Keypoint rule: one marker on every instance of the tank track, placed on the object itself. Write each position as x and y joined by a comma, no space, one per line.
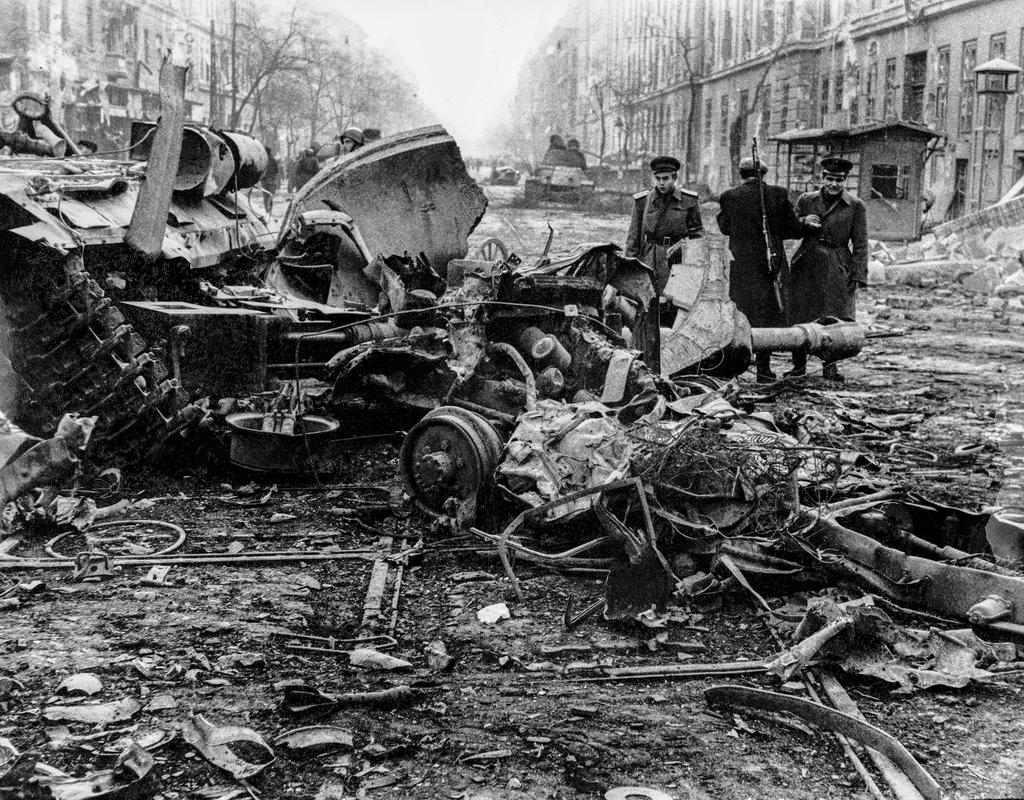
71,350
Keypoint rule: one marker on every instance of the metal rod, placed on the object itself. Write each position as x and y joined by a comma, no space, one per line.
278,558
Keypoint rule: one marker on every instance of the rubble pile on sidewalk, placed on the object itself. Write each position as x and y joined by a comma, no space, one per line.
982,259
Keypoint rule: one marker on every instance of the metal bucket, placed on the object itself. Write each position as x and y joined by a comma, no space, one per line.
263,451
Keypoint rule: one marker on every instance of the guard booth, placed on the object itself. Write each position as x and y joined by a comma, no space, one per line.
888,170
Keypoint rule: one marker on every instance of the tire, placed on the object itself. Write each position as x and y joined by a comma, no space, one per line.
72,351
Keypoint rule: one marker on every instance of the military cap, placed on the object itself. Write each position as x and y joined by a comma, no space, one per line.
747,165
664,164
836,165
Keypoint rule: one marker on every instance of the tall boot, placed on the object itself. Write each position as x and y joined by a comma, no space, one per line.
799,365
764,368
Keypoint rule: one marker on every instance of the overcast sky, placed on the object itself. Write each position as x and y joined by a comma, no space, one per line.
464,55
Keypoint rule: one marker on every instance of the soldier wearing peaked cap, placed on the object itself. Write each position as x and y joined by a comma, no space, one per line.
832,260
662,219
751,277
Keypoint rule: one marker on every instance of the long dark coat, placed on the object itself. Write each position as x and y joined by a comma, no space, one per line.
750,279
829,263
659,221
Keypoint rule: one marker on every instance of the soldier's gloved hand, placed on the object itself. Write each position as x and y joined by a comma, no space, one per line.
812,221
674,248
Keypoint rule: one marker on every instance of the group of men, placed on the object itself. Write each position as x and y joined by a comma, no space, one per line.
828,267
310,161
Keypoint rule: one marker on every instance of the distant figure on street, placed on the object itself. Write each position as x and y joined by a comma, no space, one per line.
575,155
271,180
832,260
752,280
662,220
307,167
557,155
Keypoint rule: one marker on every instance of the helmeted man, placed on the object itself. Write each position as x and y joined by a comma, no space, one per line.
832,260
753,281
662,220
351,139
575,155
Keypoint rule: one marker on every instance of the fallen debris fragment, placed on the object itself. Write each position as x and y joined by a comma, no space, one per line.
124,780
219,743
85,683
489,615
304,699
316,739
438,658
94,713
374,659
830,719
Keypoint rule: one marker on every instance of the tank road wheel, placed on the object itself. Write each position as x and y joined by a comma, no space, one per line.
448,455
71,350
492,249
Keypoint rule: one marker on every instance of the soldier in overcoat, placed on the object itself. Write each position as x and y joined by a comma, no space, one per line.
832,260
662,219
754,281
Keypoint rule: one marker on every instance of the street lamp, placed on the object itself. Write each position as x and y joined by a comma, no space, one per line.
996,80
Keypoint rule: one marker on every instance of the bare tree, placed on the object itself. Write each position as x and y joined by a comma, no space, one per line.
270,47
738,126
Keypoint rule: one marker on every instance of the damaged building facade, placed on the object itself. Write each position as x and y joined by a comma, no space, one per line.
633,78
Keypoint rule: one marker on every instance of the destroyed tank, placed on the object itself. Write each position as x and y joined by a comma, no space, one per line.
80,233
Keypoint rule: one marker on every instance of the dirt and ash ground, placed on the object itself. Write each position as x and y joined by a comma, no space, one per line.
500,725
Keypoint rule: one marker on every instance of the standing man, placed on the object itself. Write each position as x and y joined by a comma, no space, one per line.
753,281
832,260
307,167
271,180
662,220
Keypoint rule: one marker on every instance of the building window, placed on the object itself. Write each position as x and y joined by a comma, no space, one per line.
784,112
855,100
889,181
915,75
726,36
838,77
117,96
766,110
1020,86
90,25
709,110
941,86
44,16
968,61
710,57
808,21
870,90
723,134
766,30
889,109
826,95
997,45
745,31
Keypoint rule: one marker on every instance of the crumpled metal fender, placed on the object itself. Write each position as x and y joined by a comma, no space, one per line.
408,193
